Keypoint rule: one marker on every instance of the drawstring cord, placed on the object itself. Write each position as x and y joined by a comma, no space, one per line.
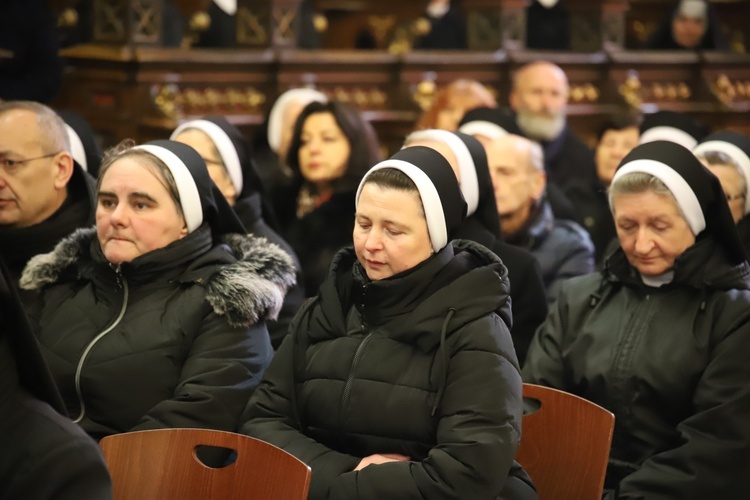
444,365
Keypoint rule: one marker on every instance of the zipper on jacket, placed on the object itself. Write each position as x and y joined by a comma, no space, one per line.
352,371
79,369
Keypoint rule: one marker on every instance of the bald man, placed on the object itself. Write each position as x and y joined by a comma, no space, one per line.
562,247
44,194
539,99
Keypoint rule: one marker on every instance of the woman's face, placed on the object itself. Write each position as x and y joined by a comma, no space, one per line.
216,169
688,31
135,213
651,230
734,187
324,149
612,148
390,231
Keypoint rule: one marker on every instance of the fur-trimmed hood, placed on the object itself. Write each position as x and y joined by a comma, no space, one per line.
249,289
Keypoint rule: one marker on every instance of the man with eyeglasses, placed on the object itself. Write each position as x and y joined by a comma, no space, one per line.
44,194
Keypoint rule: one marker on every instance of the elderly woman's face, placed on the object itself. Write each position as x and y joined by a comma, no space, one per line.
203,144
390,231
651,230
135,213
734,187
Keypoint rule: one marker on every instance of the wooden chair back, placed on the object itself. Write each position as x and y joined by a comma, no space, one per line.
163,464
565,444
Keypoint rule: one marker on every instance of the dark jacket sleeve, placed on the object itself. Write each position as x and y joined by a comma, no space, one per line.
271,416
544,361
220,373
529,306
713,458
478,432
574,255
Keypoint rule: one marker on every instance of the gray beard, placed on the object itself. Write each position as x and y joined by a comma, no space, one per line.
540,128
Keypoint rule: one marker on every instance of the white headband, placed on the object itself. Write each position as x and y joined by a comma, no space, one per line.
190,200
484,128
228,6
276,117
671,134
77,151
223,144
676,184
469,183
433,206
694,9
736,154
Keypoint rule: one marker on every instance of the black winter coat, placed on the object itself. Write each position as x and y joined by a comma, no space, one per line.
421,365
318,235
671,363
174,338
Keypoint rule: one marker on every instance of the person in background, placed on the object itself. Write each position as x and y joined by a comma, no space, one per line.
447,26
399,379
270,146
45,455
155,318
331,149
30,67
692,25
616,138
672,126
562,247
44,194
539,98
660,336
453,102
228,157
468,160
547,25
727,155
84,145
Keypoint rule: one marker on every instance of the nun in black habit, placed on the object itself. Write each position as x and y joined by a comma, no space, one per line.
399,379
84,145
156,317
691,25
660,336
228,156
482,225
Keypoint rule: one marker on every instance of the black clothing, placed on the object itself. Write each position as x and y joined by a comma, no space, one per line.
528,297
317,237
30,68
567,159
448,396
174,338
593,213
18,245
249,211
743,231
45,455
91,146
547,28
669,362
446,32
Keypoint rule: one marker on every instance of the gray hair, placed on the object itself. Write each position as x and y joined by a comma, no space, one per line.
53,135
640,182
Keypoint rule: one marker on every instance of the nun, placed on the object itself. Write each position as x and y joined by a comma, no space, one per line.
228,157
487,124
727,155
441,418
690,25
482,225
672,126
155,318
660,336
84,145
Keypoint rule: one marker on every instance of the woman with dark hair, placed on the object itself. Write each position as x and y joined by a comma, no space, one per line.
468,159
331,149
156,317
660,337
399,379
692,24
228,156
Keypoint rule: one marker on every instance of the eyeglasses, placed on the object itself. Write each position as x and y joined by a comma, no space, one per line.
732,197
10,166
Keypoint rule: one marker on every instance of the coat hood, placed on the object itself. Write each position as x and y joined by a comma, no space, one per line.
246,285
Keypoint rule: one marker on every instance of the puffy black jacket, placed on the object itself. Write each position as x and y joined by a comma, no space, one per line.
670,363
175,338
421,365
